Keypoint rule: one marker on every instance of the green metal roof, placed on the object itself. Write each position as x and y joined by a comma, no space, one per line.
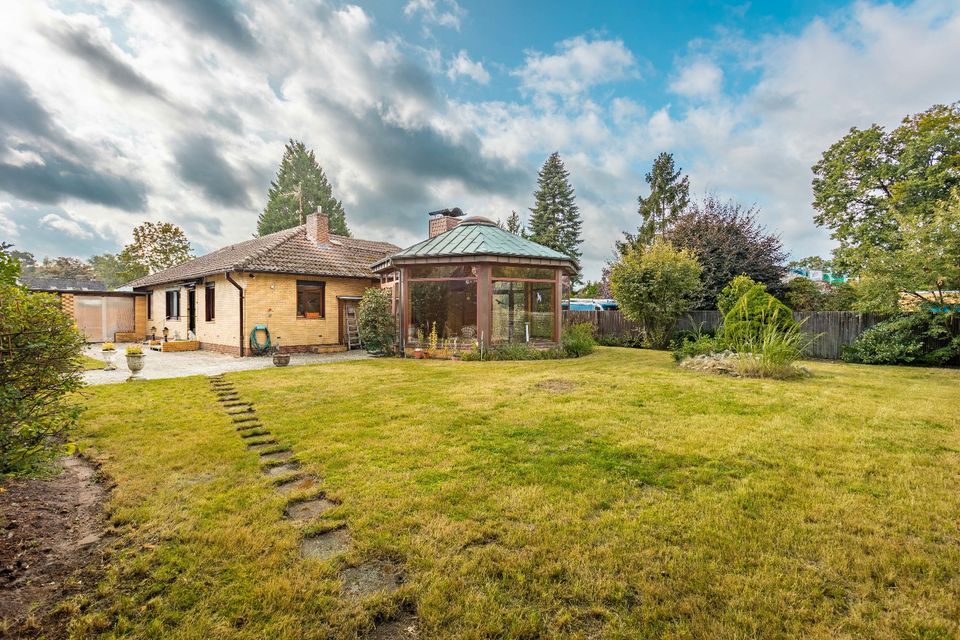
474,237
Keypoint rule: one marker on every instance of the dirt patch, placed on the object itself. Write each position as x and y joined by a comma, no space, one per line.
309,509
326,545
369,578
51,542
403,628
556,386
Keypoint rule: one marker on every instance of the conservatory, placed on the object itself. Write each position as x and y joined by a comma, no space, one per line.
472,282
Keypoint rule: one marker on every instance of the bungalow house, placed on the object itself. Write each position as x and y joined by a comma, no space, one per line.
471,280
301,284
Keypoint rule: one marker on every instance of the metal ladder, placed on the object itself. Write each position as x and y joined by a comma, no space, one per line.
353,331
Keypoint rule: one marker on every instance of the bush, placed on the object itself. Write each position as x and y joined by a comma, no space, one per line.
700,344
733,292
40,364
633,341
773,353
577,340
514,352
377,326
903,340
746,322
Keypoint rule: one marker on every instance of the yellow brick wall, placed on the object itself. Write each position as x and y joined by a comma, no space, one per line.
140,316
270,299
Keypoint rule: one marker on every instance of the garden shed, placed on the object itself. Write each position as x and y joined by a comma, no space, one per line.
471,280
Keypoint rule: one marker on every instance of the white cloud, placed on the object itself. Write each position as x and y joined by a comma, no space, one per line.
442,13
698,79
66,225
462,65
577,65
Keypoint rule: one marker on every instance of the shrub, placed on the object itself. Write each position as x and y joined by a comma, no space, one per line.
903,340
747,320
377,326
108,346
696,345
577,340
135,350
654,286
633,340
731,293
773,352
40,364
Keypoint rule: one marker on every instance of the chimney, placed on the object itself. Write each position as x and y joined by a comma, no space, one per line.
318,227
443,220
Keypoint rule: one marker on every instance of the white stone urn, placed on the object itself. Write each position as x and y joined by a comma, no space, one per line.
107,356
135,364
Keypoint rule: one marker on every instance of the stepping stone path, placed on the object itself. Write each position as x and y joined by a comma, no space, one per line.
278,462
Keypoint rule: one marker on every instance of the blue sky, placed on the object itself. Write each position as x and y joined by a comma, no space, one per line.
113,112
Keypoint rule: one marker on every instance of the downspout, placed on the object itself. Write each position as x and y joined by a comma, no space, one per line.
240,289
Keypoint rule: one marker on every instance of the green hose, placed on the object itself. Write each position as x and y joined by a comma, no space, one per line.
255,344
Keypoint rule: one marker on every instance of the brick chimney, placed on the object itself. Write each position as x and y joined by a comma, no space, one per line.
442,221
318,227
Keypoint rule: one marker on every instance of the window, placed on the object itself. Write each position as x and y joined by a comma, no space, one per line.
522,311
210,301
444,271
310,299
149,306
173,304
526,273
450,306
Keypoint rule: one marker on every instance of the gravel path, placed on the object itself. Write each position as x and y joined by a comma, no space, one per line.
193,363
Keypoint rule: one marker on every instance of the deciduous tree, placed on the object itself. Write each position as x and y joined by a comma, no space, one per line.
156,246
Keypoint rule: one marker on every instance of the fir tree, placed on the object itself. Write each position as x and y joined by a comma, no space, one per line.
298,190
514,225
555,218
669,197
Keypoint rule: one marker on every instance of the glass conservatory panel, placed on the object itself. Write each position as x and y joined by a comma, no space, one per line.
451,305
444,271
522,311
532,273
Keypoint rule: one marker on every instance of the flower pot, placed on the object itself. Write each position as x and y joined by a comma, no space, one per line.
135,364
312,314
418,354
281,359
107,356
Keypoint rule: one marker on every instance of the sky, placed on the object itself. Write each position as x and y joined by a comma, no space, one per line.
113,112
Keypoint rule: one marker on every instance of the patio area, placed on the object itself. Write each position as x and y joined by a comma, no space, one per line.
159,365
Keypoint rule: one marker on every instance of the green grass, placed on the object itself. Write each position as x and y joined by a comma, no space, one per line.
88,363
645,501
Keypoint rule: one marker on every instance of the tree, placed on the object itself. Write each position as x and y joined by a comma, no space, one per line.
40,368
299,189
815,263
922,270
111,271
669,197
869,177
62,267
728,241
589,290
555,218
9,265
514,225
377,325
654,286
156,246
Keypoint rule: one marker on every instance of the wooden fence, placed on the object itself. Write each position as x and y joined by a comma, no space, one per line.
834,329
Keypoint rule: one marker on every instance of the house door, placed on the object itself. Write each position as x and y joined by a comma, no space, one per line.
192,310
349,332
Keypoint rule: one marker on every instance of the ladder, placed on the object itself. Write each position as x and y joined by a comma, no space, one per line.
353,329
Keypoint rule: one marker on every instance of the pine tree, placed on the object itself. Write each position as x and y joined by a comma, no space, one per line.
669,196
299,189
514,225
555,218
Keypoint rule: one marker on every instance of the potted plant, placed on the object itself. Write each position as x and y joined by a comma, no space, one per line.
135,362
107,351
279,359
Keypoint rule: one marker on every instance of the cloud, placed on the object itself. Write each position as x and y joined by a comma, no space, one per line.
698,79
462,65
66,224
20,111
55,179
577,65
198,162
442,13
217,18
105,58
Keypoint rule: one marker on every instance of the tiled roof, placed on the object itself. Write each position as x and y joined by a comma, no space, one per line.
474,237
287,251
42,283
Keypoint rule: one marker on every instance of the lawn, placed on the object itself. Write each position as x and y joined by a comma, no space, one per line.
612,496
89,363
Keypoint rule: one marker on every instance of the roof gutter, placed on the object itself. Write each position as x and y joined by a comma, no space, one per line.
240,289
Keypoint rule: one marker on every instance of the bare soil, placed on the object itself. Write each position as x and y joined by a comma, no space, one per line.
51,546
369,578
